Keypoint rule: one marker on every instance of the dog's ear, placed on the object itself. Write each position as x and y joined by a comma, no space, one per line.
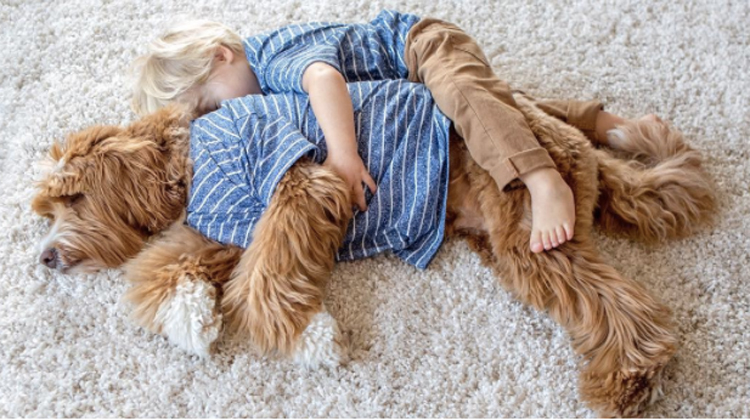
160,165
70,163
164,126
62,181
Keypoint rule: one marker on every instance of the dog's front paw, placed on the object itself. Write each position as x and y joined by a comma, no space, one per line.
190,317
321,344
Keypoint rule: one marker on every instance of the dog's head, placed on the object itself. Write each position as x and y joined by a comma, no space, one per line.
108,188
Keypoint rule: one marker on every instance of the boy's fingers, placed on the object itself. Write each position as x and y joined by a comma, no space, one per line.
370,183
359,195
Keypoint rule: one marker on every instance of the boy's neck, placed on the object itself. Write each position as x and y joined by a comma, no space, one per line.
255,85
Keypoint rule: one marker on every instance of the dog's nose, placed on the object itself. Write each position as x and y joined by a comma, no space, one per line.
49,258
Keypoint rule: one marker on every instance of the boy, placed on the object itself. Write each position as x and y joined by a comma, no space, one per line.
205,63
241,151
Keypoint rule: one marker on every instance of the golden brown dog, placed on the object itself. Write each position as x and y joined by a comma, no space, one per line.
113,192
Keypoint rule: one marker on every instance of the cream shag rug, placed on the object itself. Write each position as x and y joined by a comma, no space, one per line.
444,342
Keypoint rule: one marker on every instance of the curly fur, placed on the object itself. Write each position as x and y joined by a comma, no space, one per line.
116,186
660,192
178,253
278,284
134,182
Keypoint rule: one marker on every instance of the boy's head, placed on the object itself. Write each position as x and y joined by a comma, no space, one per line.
199,62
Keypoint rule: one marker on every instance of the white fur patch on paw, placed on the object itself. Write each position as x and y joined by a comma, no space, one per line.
321,344
616,138
189,318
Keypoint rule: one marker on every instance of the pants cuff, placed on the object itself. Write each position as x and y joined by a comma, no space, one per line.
583,114
520,164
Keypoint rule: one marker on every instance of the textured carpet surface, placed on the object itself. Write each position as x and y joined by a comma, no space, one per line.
444,342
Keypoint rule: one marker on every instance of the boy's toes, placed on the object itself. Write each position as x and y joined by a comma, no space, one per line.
536,242
561,236
553,239
568,231
546,241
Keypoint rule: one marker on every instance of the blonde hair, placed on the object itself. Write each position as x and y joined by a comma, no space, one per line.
178,60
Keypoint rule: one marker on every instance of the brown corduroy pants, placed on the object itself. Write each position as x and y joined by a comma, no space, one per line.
480,105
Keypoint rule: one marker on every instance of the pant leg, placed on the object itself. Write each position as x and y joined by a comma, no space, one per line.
580,114
481,106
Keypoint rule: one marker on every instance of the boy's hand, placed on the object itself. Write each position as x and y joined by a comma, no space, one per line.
351,168
332,106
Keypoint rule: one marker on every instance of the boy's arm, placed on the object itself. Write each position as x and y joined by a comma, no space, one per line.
332,106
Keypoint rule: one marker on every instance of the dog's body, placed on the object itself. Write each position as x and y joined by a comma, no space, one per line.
134,182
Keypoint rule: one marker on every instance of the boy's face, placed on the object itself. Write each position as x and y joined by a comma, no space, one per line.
230,78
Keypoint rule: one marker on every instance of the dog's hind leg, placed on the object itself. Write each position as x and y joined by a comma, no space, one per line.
623,334
660,192
275,295
176,287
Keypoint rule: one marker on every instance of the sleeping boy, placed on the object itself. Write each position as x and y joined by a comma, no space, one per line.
204,63
242,150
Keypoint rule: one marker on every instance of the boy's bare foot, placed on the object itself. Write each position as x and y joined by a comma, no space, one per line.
552,209
606,122
651,117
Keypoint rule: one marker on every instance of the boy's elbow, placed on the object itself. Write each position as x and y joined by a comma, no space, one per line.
317,73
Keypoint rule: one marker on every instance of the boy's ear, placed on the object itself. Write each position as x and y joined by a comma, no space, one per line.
224,54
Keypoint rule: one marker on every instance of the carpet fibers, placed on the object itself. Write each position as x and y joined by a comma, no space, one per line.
448,341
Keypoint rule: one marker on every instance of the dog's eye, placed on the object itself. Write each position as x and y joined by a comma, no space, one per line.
72,200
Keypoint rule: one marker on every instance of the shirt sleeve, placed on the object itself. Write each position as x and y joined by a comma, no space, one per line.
284,72
275,147
217,146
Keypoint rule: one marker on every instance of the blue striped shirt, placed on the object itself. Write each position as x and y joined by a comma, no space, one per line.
361,52
241,151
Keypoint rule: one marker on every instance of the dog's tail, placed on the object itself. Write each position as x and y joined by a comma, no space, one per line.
660,191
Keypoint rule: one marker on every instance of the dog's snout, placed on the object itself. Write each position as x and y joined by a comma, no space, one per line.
49,258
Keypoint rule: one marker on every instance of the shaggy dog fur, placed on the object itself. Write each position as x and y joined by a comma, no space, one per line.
113,192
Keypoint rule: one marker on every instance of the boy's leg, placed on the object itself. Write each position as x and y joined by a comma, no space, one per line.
481,106
580,114
591,119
